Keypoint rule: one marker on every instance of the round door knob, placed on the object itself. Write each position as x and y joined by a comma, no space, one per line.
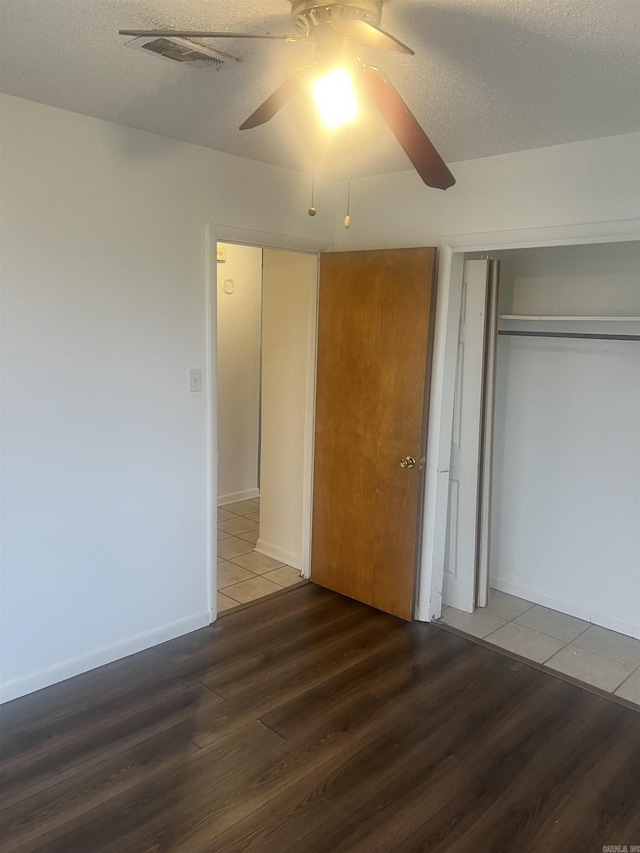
407,462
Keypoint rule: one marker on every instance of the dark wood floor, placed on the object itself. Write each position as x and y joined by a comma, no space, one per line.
310,723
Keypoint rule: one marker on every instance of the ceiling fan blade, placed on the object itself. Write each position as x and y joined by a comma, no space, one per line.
370,36
417,145
203,35
280,97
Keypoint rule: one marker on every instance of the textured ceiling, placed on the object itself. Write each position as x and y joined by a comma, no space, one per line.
488,77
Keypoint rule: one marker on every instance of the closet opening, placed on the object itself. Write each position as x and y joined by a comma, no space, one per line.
543,544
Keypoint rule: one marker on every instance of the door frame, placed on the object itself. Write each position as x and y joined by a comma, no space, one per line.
217,232
451,254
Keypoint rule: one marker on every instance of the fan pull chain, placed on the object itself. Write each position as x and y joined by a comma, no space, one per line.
312,210
347,219
314,143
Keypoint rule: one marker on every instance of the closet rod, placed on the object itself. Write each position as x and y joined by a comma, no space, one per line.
580,335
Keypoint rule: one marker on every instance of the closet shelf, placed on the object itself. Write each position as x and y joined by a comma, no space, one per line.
564,318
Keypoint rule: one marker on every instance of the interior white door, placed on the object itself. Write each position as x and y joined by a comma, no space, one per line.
466,443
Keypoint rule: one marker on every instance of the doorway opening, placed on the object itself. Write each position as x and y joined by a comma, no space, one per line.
265,357
562,580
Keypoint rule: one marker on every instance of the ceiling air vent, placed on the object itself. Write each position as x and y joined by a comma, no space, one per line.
181,50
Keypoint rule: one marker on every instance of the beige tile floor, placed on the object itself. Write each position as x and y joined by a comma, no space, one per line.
243,573
595,655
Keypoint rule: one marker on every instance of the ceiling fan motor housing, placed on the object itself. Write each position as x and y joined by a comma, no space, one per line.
307,14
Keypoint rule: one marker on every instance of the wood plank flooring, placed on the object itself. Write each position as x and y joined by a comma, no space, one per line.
311,723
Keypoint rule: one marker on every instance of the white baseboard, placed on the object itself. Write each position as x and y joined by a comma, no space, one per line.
280,554
67,669
554,602
235,497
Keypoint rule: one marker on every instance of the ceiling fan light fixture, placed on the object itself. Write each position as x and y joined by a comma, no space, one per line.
335,98
308,14
338,28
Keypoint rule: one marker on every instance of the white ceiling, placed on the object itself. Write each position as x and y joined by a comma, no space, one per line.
488,77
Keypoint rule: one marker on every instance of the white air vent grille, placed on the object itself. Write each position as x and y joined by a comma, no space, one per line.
181,50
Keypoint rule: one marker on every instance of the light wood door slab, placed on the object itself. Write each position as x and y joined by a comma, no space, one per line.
375,326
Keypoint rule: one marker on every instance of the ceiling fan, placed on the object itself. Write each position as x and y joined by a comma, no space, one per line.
339,77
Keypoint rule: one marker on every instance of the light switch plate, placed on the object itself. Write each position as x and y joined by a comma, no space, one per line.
195,379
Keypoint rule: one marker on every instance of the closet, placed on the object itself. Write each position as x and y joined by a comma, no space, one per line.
565,514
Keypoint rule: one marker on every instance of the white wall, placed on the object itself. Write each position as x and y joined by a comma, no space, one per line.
288,353
566,501
593,181
104,502
104,450
600,280
239,321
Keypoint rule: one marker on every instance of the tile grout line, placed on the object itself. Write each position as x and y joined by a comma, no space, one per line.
544,664
624,680
535,630
226,590
570,642
566,644
601,654
598,655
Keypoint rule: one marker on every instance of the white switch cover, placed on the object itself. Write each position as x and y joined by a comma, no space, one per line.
195,379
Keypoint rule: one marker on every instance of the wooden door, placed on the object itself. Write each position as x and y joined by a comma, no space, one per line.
375,330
